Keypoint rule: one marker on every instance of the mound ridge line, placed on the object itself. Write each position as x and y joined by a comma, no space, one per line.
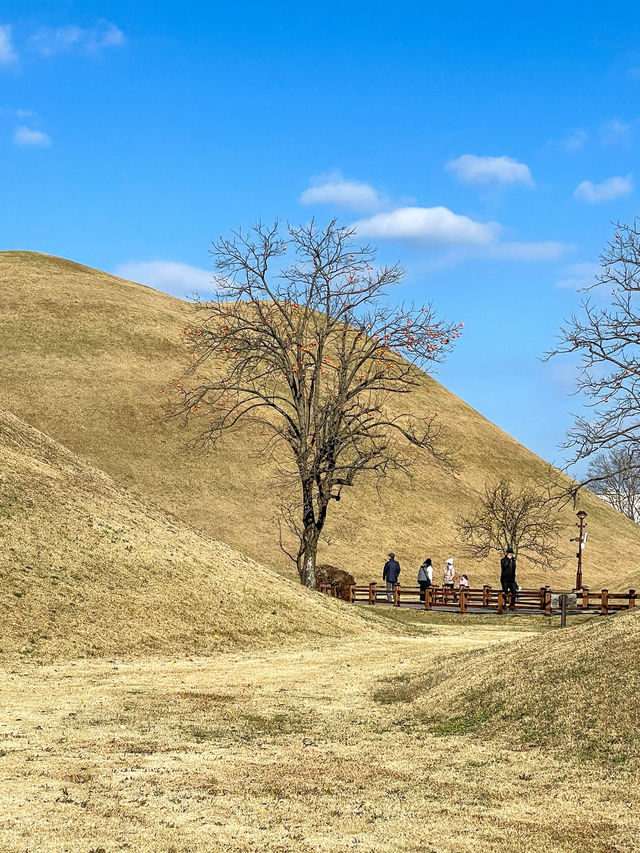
84,355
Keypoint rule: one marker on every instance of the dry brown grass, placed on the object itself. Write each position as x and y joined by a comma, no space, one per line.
288,751
87,568
574,691
84,355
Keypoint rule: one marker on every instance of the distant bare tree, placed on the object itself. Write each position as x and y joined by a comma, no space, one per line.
311,354
524,518
607,339
615,476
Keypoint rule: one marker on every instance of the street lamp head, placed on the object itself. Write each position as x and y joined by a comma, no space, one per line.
581,514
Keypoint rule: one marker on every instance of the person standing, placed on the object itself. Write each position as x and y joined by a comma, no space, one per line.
425,576
448,581
449,574
464,582
390,574
508,577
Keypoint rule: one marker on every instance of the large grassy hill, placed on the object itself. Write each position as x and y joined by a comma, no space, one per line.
84,355
87,568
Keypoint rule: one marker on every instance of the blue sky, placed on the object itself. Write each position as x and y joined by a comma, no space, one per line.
487,148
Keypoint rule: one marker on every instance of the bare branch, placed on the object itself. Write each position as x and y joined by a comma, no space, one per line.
303,346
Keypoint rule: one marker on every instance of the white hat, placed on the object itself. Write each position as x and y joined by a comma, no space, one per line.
449,561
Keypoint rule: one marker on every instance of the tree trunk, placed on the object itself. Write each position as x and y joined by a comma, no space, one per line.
307,557
309,539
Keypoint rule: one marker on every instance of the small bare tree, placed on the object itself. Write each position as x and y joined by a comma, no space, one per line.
311,354
606,337
524,518
616,478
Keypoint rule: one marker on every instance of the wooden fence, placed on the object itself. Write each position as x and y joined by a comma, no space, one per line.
487,599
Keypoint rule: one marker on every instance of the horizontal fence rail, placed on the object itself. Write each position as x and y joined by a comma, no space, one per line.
487,599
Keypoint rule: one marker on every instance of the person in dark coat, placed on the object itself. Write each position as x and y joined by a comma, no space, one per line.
508,577
390,574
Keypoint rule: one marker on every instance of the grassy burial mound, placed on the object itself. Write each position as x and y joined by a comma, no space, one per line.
86,568
574,692
84,355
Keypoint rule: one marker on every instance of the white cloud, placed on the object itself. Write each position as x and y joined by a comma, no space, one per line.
431,226
575,140
471,169
615,131
342,192
169,276
577,276
50,41
34,138
617,187
7,53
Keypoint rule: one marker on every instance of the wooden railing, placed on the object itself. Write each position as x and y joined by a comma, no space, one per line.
487,598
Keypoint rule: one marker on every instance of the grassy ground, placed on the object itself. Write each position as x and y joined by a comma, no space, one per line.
84,356
305,750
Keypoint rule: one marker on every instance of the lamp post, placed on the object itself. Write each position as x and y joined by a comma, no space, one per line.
582,538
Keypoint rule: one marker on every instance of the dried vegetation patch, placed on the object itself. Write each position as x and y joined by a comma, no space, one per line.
575,691
287,751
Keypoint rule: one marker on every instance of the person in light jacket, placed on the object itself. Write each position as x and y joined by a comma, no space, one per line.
390,574
425,577
449,573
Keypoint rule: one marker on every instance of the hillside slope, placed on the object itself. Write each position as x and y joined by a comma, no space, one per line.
574,690
88,569
84,355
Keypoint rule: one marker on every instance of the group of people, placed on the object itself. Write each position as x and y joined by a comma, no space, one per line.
391,574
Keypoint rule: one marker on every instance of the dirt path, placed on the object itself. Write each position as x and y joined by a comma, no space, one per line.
279,751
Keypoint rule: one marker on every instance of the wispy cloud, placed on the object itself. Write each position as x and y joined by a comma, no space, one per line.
170,276
615,131
617,187
575,140
31,138
343,192
429,226
483,171
51,41
544,250
7,52
577,276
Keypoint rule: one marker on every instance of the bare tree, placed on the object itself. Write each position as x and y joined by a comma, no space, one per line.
606,337
310,353
616,478
524,518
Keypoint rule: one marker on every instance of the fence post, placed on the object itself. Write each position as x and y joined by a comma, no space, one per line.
427,598
604,602
547,601
501,602
563,610
632,598
372,593
585,597
486,595
396,596
543,597
463,601
352,593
